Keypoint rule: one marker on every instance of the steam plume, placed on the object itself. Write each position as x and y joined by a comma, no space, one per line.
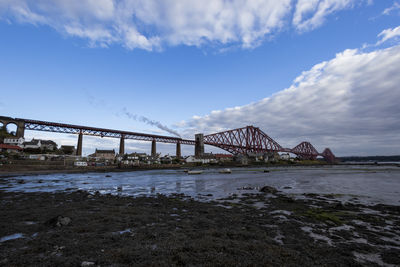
149,122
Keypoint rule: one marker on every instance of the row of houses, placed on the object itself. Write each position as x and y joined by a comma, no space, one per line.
33,144
142,158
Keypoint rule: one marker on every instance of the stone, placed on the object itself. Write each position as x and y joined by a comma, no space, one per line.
63,221
59,221
87,263
268,189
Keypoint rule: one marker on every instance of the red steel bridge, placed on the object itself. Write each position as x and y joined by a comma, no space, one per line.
248,140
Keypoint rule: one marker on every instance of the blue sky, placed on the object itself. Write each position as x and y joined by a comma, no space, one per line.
188,66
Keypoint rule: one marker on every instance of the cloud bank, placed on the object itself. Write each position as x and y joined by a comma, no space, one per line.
349,103
152,24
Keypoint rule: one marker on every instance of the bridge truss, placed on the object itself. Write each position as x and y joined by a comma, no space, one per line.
251,140
247,140
77,129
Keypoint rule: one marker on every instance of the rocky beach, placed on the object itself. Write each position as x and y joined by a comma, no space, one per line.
265,228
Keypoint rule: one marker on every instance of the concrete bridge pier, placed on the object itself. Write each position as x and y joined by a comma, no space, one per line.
199,146
79,146
153,148
20,129
122,145
178,150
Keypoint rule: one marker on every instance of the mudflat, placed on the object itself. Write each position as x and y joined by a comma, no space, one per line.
266,228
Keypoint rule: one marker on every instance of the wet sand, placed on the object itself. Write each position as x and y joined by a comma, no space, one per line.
253,229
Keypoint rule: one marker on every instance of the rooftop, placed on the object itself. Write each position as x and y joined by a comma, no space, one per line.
4,146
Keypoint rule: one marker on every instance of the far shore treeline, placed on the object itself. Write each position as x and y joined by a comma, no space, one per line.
370,158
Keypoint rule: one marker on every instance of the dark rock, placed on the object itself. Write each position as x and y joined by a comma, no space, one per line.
287,187
266,170
58,221
268,189
21,181
108,175
391,256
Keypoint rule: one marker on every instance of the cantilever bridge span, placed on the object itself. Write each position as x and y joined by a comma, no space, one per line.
251,140
247,140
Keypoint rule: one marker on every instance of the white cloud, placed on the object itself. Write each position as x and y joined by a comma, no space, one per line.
311,14
349,103
152,24
389,34
389,10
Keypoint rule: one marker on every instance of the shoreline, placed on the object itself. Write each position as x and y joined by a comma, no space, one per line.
255,229
22,170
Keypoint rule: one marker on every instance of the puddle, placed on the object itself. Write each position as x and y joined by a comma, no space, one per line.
315,236
123,231
284,212
11,237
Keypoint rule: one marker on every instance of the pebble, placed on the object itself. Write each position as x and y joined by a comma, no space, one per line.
87,263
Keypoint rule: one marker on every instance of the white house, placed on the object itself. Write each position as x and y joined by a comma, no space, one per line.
285,156
40,144
34,144
80,163
14,141
48,144
193,159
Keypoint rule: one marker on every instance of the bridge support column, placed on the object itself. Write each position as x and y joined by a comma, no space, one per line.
199,146
20,129
153,148
79,146
122,145
178,150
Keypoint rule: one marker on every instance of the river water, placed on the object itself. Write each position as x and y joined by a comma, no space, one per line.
362,184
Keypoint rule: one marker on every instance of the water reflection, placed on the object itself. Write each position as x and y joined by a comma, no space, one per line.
376,184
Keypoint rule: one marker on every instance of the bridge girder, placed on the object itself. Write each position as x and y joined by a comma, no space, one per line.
246,140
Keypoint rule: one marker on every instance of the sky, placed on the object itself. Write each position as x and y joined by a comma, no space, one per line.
323,71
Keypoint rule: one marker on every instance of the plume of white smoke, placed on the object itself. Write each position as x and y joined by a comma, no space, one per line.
149,122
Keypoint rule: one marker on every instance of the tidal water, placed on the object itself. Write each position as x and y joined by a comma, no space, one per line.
364,184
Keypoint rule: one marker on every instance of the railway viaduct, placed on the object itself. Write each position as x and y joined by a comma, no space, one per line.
247,140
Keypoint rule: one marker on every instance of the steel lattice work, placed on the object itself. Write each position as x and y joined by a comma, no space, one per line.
305,150
244,140
247,140
328,155
251,140
76,129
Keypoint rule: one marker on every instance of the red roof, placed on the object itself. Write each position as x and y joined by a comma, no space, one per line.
223,155
4,146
